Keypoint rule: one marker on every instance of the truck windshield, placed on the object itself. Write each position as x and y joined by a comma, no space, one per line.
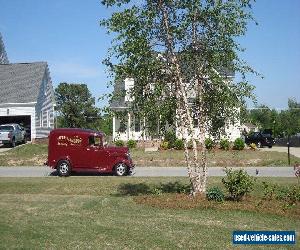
6,128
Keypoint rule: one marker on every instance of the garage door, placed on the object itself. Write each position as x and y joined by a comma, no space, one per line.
23,120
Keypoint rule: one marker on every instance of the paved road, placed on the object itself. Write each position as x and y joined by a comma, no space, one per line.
150,171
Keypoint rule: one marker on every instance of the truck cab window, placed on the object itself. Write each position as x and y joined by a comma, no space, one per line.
94,141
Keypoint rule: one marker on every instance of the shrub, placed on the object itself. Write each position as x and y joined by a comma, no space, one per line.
238,183
239,144
119,143
215,194
224,144
269,190
164,145
131,144
289,194
178,144
170,137
209,143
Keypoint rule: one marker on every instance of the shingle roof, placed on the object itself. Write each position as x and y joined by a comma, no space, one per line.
3,55
20,82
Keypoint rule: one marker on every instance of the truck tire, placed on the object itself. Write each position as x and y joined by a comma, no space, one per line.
63,168
121,169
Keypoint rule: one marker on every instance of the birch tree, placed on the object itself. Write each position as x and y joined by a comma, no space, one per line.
179,53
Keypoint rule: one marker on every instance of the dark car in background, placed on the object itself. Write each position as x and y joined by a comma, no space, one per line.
260,139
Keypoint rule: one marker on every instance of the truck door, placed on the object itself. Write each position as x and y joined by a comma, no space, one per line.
96,155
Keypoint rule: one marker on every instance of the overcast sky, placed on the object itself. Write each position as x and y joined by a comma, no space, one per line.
66,34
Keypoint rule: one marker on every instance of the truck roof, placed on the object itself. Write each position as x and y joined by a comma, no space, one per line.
77,130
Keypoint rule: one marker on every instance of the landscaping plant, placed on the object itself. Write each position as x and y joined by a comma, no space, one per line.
224,144
239,144
238,183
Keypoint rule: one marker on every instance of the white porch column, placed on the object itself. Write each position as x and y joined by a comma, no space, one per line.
129,126
114,127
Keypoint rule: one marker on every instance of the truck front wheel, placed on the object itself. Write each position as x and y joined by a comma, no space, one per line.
63,168
121,169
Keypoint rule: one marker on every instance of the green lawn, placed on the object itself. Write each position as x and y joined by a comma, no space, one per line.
92,213
36,155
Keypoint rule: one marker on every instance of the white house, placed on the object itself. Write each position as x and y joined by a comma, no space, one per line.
131,127
26,96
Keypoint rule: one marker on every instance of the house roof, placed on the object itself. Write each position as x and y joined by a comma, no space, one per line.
3,55
21,82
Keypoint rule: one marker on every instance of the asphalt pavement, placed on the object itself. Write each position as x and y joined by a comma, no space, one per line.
151,171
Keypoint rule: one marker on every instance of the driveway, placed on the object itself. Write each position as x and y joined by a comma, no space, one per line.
150,171
4,148
293,150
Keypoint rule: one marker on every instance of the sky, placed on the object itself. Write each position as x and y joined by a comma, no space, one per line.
67,35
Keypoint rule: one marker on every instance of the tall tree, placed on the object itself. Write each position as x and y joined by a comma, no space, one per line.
178,49
76,106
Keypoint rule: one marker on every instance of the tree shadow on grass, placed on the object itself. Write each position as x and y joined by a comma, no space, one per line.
135,189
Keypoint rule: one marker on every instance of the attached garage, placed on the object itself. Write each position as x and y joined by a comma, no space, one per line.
23,120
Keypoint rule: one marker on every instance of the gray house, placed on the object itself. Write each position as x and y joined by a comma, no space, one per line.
26,96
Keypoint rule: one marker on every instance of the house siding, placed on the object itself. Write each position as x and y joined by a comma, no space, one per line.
44,112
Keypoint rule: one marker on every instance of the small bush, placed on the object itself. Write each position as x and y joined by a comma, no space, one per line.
119,143
215,194
131,144
178,144
224,144
209,143
269,190
164,145
170,137
290,195
239,144
238,183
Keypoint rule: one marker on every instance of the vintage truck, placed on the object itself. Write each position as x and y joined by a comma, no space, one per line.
83,150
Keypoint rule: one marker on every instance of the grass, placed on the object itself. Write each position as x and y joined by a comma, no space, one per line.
36,155
92,212
220,158
25,155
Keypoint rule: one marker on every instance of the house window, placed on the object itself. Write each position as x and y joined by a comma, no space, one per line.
41,118
48,119
7,111
123,125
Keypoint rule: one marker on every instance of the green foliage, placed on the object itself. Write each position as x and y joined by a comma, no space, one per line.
289,194
282,123
239,144
119,143
170,137
178,144
155,189
157,43
269,190
164,145
209,143
215,194
238,183
131,144
76,106
224,144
